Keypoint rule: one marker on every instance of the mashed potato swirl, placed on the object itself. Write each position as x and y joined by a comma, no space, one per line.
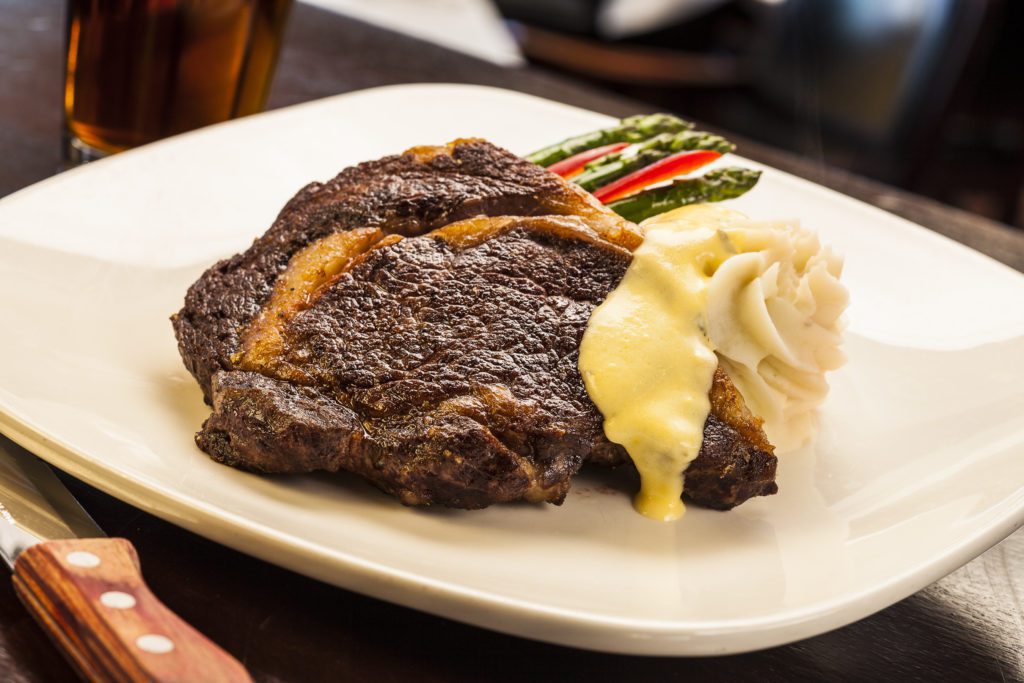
774,318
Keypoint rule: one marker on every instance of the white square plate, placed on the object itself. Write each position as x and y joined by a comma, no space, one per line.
919,465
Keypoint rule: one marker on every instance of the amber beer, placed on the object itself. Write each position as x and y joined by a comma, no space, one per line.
140,70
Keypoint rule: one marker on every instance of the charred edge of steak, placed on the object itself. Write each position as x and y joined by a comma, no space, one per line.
729,469
736,461
406,194
266,425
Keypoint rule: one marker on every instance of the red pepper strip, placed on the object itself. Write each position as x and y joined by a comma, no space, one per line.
567,168
667,168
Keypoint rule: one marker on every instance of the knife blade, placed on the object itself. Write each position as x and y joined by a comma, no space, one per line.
87,590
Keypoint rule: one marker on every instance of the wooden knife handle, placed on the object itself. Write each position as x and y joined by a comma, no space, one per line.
90,597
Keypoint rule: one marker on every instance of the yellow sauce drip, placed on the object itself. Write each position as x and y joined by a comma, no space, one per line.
645,357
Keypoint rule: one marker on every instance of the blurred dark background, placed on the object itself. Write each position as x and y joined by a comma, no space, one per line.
927,95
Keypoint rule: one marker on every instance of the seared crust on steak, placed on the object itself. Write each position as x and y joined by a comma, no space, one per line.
736,462
441,367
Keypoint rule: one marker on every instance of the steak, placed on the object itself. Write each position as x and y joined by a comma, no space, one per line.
371,330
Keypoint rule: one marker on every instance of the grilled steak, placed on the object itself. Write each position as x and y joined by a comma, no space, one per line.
440,367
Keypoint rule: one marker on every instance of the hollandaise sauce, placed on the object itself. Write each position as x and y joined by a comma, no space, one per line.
646,359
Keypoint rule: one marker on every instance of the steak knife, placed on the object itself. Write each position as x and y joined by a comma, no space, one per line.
87,591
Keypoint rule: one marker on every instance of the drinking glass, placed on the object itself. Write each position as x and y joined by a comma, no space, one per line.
140,70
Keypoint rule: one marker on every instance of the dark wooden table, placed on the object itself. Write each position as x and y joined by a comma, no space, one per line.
967,627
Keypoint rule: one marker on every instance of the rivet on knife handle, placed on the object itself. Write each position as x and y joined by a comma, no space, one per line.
90,597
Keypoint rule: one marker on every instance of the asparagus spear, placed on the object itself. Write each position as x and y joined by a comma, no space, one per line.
714,186
631,129
611,167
